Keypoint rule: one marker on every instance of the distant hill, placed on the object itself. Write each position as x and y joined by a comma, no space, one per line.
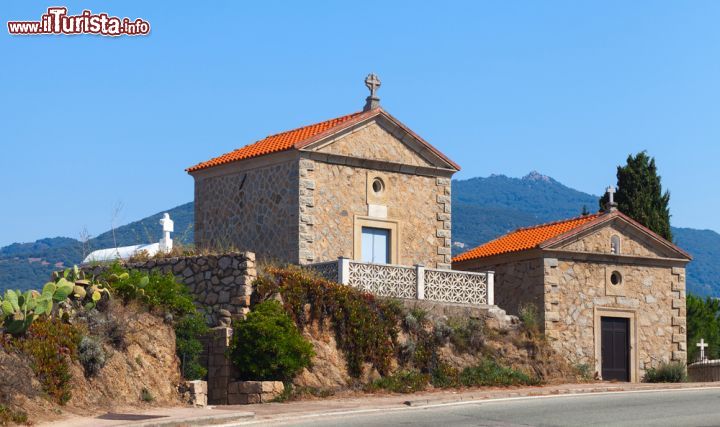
483,208
29,265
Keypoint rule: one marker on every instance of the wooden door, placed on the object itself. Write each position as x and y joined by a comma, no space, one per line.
615,343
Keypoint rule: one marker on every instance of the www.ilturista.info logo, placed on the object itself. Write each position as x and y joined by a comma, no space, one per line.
57,21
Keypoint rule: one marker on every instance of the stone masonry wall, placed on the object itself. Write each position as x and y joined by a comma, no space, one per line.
375,143
256,209
517,283
221,285
656,295
337,193
599,242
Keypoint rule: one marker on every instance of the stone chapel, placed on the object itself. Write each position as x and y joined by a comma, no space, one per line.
610,292
362,186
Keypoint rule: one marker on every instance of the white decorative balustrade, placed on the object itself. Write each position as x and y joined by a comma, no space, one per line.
415,282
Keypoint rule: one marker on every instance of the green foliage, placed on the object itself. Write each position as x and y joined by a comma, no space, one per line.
703,322
154,290
91,355
8,416
164,292
640,194
445,376
673,372
490,373
188,330
530,317
365,327
20,310
468,335
405,381
584,371
267,345
50,344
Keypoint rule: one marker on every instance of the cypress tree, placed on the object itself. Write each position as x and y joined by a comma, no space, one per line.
639,194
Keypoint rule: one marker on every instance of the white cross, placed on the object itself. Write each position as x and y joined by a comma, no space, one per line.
702,344
372,82
168,226
611,192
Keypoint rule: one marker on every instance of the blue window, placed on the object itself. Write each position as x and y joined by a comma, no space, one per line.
375,245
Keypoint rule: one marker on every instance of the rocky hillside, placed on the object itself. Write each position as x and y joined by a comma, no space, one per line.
483,208
140,368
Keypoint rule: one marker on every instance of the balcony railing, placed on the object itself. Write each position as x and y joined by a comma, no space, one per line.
415,282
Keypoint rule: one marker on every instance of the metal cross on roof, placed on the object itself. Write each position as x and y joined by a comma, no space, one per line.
372,81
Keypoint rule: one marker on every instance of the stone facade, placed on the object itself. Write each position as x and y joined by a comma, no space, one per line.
572,285
523,277
419,205
652,297
221,285
384,147
306,206
250,209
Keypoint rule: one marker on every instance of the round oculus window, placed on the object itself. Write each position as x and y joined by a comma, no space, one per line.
616,278
378,186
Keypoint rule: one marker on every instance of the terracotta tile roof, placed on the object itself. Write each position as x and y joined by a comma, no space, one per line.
525,238
275,143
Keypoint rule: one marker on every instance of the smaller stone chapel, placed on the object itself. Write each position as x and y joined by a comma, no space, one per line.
361,186
610,292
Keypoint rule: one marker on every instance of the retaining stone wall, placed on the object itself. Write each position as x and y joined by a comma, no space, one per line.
221,285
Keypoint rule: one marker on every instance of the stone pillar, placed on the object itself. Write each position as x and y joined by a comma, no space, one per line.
679,315
307,205
444,249
220,370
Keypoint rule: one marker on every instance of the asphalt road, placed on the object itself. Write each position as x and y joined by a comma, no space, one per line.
663,408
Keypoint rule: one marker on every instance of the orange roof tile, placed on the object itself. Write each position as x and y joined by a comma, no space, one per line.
525,238
275,143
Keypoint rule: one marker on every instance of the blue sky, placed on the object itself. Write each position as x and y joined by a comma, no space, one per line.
566,88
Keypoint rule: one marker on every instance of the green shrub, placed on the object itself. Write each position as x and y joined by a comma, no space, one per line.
468,335
365,327
115,332
188,330
673,372
91,355
164,292
490,373
267,345
406,381
154,290
445,376
49,343
584,371
8,416
529,317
